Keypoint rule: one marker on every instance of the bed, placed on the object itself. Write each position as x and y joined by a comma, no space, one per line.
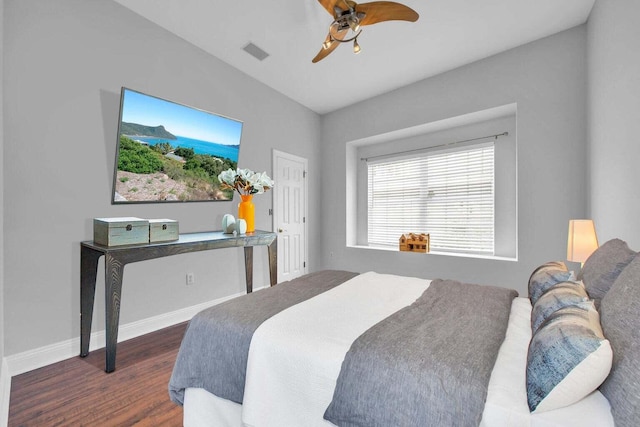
340,348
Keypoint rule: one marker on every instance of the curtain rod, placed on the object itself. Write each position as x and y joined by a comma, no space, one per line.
366,159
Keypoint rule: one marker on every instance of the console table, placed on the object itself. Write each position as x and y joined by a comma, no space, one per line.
116,257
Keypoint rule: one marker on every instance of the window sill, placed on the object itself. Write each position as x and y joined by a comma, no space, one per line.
451,254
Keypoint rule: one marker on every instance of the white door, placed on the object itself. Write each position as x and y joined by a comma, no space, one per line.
289,216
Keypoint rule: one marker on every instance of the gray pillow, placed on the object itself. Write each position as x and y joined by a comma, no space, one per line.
620,315
561,295
545,276
602,268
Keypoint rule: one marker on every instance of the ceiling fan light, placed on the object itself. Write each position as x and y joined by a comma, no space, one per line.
327,42
354,24
356,46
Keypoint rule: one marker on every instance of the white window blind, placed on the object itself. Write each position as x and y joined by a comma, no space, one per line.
448,194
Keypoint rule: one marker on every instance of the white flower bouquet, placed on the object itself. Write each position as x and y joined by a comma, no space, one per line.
245,181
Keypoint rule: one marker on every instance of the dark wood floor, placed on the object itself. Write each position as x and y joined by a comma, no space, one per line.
77,392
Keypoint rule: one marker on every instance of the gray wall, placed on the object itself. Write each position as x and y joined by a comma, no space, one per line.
547,80
65,63
614,125
1,184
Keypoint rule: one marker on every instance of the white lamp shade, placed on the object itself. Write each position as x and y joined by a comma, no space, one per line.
582,240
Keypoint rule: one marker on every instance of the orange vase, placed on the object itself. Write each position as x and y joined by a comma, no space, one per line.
247,211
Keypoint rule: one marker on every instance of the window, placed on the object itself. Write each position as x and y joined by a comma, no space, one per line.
448,194
475,217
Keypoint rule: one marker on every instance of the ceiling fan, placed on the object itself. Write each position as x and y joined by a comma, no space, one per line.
348,17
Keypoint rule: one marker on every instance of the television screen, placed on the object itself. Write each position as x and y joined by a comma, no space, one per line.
168,152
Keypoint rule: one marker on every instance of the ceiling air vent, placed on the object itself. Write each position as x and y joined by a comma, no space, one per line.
255,51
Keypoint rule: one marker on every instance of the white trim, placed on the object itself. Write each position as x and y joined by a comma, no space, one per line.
5,392
431,253
43,356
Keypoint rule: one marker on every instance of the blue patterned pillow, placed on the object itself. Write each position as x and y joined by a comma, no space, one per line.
568,359
545,276
561,295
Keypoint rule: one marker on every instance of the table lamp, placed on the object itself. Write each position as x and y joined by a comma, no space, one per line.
582,240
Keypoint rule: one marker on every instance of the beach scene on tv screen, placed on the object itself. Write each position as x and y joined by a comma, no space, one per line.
171,152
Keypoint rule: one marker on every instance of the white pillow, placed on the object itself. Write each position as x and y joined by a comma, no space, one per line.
568,359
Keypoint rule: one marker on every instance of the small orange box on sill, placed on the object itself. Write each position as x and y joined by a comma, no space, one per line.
415,242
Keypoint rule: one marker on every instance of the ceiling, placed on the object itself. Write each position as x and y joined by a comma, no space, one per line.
448,34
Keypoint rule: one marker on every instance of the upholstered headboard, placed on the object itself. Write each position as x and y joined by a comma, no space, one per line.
620,317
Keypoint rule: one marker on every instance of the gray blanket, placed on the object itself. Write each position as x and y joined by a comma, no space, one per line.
214,350
428,364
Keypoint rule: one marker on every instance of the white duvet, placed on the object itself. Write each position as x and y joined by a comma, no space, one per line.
295,358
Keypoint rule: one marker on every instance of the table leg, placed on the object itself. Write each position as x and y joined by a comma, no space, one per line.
88,272
272,250
114,270
248,267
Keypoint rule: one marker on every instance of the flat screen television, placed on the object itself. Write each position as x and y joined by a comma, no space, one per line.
169,152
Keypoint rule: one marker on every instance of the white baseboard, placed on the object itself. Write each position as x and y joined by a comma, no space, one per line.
43,356
5,392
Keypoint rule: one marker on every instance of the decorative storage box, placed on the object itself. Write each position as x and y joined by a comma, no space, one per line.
120,231
163,230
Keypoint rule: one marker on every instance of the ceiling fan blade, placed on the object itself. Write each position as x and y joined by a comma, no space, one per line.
330,5
325,52
379,11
